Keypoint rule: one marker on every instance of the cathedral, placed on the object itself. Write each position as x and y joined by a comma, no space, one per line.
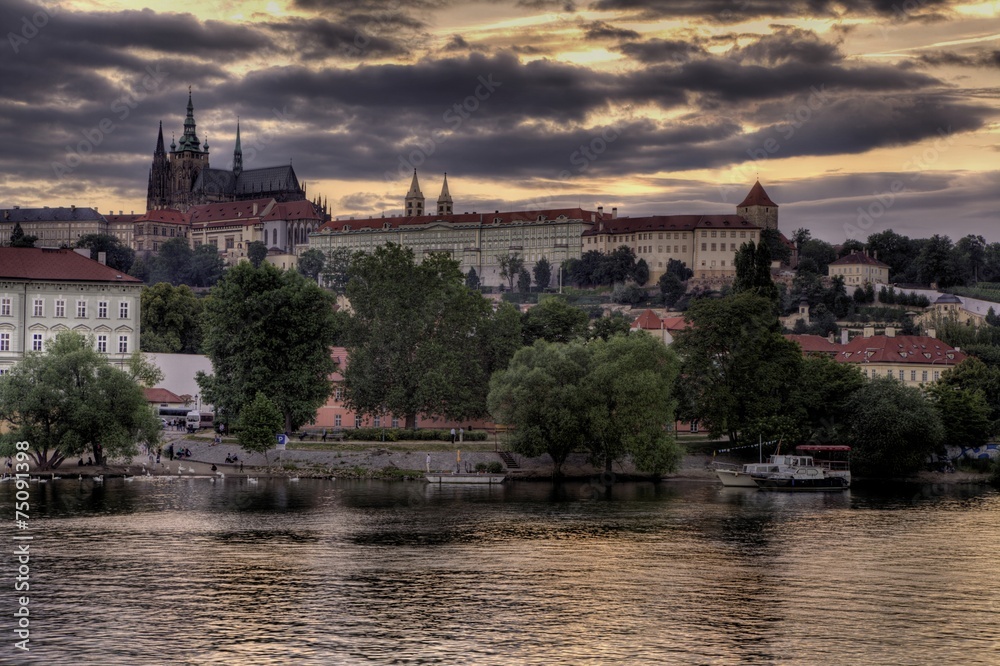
183,178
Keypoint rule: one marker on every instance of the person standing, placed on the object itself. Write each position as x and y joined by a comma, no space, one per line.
461,434
428,463
452,435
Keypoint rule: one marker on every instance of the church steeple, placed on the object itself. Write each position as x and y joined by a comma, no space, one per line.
158,188
414,198
445,203
238,153
189,140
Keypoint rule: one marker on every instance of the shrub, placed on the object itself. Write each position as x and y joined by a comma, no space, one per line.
494,468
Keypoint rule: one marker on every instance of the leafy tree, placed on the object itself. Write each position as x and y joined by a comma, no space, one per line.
991,317
420,341
605,328
310,263
894,250
819,398
974,376
753,271
775,246
630,294
966,412
936,264
970,257
69,400
584,272
736,369
510,267
170,319
20,239
543,273
172,263
539,394
892,428
336,269
679,268
849,246
859,295
117,255
140,269
629,389
256,253
617,266
269,330
671,288
259,422
472,278
819,252
524,281
800,236
206,267
553,320
641,272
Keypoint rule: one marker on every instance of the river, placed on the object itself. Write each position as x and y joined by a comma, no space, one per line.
189,571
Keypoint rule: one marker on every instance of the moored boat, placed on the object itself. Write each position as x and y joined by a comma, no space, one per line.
806,472
733,475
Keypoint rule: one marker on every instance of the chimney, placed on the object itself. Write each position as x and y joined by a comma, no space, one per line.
119,212
102,257
255,209
600,211
931,333
830,337
869,331
843,336
890,331
614,213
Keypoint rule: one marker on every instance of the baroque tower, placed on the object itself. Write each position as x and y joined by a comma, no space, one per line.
445,203
414,198
757,208
186,161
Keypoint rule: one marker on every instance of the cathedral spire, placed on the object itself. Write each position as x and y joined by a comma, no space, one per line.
159,142
445,203
238,153
189,140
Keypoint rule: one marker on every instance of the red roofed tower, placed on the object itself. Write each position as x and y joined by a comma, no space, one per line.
757,208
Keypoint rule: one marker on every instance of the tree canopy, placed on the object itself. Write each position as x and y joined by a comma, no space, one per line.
310,263
20,239
69,400
271,331
170,319
117,255
510,267
554,320
256,253
419,341
543,273
259,422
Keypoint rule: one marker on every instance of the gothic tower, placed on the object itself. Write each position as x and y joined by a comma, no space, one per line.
414,198
238,153
445,204
757,208
158,191
186,161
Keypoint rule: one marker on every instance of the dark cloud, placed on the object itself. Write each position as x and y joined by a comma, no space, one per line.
567,6
661,50
738,11
604,30
319,38
978,58
787,44
456,43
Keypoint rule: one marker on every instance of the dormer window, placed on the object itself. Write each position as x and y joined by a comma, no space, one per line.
541,218
497,220
347,227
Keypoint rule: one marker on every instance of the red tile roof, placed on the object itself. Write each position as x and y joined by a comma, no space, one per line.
122,219
916,349
649,321
510,217
164,216
159,395
623,225
814,344
855,258
293,210
31,263
757,197
231,210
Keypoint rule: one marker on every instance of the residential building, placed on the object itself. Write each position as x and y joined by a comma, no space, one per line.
53,227
912,359
859,269
45,290
949,308
663,329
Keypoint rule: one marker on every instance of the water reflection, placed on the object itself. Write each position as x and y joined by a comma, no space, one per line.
326,572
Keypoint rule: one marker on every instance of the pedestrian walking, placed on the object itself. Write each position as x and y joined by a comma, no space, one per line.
452,435
324,434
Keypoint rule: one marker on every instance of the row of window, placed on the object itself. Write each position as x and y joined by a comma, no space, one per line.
722,234
722,247
38,308
913,374
37,340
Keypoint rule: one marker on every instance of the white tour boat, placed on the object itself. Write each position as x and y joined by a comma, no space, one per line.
803,472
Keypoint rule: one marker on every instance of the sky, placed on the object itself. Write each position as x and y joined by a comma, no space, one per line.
857,116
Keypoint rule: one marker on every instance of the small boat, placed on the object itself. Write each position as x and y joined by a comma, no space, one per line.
465,477
733,475
806,472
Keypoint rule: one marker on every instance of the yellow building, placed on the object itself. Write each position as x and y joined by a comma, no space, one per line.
859,269
53,227
912,359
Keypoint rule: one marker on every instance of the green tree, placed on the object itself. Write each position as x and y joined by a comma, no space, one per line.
472,278
310,263
543,273
20,239
775,245
524,281
170,319
256,253
629,392
641,272
336,269
269,330
554,320
974,376
671,288
753,271
206,267
819,398
736,369
819,252
259,423
172,263
617,266
850,245
540,395
679,269
117,255
936,262
420,341
892,428
605,327
510,267
69,400
894,250
966,412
